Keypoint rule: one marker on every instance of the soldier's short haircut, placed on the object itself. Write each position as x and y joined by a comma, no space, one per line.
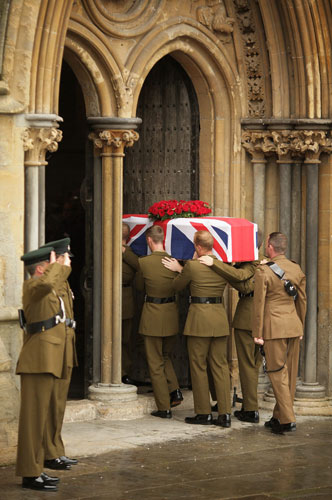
204,239
278,241
125,231
32,267
156,233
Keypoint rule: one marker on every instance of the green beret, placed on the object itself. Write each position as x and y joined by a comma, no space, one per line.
35,256
60,246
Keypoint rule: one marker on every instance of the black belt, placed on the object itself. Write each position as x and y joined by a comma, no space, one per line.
71,323
242,295
41,326
159,300
205,300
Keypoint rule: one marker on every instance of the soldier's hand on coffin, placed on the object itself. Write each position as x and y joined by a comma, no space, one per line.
172,264
206,259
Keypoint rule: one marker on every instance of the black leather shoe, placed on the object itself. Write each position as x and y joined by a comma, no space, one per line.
201,419
281,428
271,422
38,483
127,380
56,464
223,420
162,413
51,479
69,461
214,407
247,416
176,397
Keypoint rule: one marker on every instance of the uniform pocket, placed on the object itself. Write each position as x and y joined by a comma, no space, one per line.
50,339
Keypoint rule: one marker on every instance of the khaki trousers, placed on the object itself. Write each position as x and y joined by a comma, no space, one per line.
249,359
53,443
164,380
279,352
213,351
37,400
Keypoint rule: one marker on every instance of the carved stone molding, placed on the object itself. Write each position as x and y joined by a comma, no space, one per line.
36,141
125,18
214,16
288,145
115,140
253,58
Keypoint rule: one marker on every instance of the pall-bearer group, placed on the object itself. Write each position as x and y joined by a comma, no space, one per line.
268,326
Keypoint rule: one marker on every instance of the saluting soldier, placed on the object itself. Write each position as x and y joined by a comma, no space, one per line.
207,329
129,268
159,323
241,278
55,456
41,363
278,322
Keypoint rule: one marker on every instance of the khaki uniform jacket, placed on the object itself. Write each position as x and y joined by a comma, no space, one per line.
129,268
240,278
276,314
160,320
44,352
67,296
203,320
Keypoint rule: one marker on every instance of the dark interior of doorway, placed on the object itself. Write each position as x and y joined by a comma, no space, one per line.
163,165
65,215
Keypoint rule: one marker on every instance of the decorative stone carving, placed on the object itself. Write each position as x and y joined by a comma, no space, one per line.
253,59
258,144
288,144
36,141
123,19
214,16
116,139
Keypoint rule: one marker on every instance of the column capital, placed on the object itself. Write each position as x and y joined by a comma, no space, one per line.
258,144
288,144
113,141
36,141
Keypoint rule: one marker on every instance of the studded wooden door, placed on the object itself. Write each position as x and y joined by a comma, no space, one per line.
163,164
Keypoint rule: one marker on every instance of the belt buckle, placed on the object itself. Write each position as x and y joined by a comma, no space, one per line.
207,302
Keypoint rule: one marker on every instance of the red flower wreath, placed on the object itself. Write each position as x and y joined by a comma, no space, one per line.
173,209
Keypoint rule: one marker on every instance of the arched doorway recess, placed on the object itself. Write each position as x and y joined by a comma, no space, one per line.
164,164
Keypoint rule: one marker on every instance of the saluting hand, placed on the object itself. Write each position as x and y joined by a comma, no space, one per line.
172,264
206,259
52,257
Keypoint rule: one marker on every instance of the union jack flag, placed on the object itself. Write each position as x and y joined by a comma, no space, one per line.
235,240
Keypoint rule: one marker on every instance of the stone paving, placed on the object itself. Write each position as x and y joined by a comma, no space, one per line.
155,459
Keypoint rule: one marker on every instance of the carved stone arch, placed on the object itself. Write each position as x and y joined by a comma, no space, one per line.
99,73
221,103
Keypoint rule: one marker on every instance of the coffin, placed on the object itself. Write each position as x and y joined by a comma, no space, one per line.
235,240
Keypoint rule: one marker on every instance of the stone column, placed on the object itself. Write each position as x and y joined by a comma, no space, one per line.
258,144
312,143
285,199
42,135
111,136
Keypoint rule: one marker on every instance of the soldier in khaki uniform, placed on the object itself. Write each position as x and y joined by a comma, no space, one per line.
278,322
159,323
207,329
55,457
249,357
41,363
129,268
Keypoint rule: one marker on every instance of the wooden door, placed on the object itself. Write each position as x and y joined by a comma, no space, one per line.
163,164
